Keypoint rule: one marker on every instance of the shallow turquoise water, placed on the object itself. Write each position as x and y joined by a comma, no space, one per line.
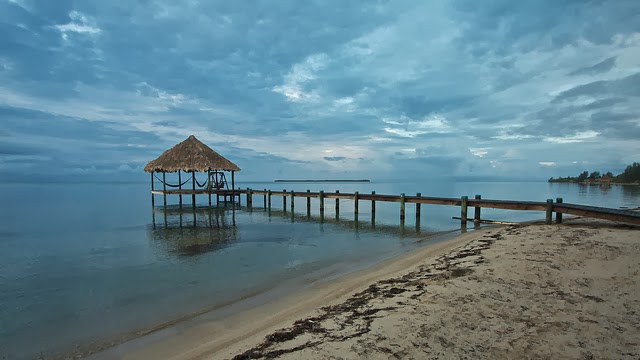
83,263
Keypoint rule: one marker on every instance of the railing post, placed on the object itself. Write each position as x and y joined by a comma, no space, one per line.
321,197
284,200
476,215
558,214
463,210
308,203
549,211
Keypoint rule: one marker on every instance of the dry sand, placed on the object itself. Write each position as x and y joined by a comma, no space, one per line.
520,291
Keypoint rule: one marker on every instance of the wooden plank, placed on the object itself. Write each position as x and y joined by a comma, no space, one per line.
509,205
625,216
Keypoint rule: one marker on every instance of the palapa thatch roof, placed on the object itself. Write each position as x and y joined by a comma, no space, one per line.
190,155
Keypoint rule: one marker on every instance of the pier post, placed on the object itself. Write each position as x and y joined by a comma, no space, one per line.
217,199
264,199
463,210
249,199
559,214
355,204
549,211
321,197
269,200
337,205
476,214
180,188
153,196
193,187
292,203
373,208
308,203
402,208
418,195
284,200
164,189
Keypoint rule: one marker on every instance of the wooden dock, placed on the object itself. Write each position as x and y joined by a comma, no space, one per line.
549,206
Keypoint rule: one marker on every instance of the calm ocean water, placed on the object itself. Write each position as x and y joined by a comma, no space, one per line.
88,263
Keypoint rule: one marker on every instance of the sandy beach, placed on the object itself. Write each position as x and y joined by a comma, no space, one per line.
517,291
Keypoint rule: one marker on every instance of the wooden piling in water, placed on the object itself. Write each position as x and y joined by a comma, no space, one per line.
308,203
264,199
269,200
402,208
463,210
337,204
476,213
321,197
418,195
549,211
373,208
284,200
355,205
292,202
559,214
249,199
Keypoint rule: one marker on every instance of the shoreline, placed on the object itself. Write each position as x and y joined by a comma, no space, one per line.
181,337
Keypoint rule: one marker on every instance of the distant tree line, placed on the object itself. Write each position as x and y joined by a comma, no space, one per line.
631,174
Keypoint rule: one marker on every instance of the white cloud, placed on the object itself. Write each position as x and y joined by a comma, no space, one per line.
300,75
479,152
547,163
576,138
79,24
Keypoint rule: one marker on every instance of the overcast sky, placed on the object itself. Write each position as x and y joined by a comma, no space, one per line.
300,89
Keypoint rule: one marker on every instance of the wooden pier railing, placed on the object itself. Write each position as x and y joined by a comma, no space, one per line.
549,206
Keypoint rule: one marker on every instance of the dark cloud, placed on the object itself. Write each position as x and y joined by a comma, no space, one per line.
601,67
334,158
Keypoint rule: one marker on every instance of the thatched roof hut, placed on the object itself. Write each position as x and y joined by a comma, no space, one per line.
190,155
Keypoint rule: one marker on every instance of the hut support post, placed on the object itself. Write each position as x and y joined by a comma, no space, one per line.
209,185
153,197
180,188
463,210
559,214
164,189
321,197
549,211
193,187
308,203
476,213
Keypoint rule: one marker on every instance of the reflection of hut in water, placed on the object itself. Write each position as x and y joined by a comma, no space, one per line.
210,230
192,156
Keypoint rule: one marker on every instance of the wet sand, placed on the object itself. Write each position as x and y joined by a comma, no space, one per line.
518,291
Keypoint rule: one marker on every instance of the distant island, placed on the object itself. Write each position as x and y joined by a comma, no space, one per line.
328,180
630,175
